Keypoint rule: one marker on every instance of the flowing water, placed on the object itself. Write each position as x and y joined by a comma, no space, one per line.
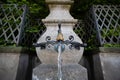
59,62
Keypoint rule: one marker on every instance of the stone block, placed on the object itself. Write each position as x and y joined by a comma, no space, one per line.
8,66
69,72
107,64
110,66
13,63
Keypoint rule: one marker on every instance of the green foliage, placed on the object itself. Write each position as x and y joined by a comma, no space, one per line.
111,45
33,29
81,6
11,1
6,43
9,22
39,10
92,43
111,32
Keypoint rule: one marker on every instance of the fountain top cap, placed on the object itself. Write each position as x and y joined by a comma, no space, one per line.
59,1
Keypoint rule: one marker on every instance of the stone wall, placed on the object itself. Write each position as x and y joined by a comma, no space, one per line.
8,65
13,63
17,64
107,64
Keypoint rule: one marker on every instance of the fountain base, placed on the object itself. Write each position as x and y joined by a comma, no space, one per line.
69,72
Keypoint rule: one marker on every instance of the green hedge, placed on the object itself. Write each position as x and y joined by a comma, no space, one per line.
39,9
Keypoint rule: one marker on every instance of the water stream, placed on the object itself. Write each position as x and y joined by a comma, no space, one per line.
59,62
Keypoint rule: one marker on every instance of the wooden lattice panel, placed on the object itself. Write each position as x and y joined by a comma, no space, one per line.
33,32
80,30
12,21
104,22
108,23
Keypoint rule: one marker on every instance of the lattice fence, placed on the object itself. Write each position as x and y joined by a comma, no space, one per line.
33,32
12,22
103,21
80,30
90,29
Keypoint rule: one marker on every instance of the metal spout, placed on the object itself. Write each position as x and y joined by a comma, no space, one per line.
56,47
60,35
60,40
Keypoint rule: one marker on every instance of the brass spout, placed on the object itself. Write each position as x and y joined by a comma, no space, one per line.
60,35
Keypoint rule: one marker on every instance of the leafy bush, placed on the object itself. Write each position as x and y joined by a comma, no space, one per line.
39,10
111,45
81,6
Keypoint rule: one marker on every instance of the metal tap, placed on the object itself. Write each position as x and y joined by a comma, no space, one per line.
60,40
60,35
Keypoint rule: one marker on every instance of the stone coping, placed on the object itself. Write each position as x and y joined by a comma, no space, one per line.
57,21
103,50
59,2
109,49
13,49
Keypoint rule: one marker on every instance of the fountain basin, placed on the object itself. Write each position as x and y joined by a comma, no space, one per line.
70,72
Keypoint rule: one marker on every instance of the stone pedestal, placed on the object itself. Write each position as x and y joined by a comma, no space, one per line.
107,64
49,72
13,63
59,12
71,70
8,66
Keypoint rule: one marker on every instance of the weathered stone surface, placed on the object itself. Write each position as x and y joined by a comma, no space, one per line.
8,66
109,50
107,64
59,12
23,67
70,72
59,9
49,56
13,63
110,65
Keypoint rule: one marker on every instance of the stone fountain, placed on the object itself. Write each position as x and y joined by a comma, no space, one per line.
48,70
